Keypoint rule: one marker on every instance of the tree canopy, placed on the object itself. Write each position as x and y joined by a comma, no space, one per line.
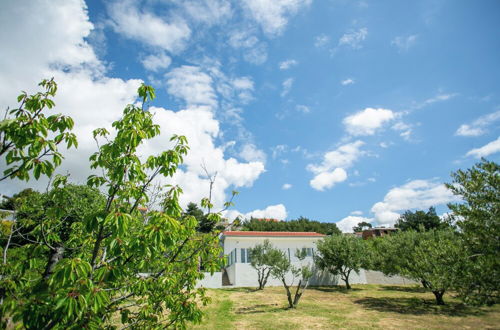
420,220
298,225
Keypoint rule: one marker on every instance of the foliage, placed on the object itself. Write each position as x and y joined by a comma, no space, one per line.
282,268
262,258
9,203
478,218
89,258
299,225
205,224
420,220
29,139
435,258
340,255
361,226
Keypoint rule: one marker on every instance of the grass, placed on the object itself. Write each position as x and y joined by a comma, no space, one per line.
363,307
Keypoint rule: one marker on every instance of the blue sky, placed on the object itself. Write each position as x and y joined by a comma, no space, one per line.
340,111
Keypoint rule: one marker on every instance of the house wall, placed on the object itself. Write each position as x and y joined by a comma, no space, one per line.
213,281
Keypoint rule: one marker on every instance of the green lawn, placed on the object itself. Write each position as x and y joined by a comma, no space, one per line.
365,306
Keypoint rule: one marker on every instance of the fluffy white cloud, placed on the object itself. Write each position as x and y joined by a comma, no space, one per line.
207,11
486,150
192,85
416,194
479,126
155,62
273,15
346,224
368,121
286,186
285,65
348,81
354,39
287,86
327,179
357,213
127,19
332,169
250,153
255,51
271,212
403,43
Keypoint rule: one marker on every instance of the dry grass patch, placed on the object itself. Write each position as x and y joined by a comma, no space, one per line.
366,306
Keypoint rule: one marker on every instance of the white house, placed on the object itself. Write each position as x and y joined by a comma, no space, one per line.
239,272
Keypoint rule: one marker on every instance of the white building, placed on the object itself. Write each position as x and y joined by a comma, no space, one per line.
240,273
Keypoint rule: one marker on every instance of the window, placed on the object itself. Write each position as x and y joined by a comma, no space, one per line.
308,251
243,255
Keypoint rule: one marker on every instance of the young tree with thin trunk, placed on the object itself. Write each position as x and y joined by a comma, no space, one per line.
262,258
287,273
340,255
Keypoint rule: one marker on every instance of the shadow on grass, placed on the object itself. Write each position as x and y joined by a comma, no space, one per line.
339,289
417,306
412,288
261,308
244,290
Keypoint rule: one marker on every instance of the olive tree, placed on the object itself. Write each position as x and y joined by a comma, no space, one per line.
262,258
283,270
79,270
340,255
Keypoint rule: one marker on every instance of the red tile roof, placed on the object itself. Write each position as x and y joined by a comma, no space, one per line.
272,233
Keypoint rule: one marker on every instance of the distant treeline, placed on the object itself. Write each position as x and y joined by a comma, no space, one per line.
300,224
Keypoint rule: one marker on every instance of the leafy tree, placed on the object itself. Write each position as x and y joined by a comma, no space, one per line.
262,258
340,255
282,269
361,226
85,264
420,220
299,225
29,140
434,258
478,218
9,203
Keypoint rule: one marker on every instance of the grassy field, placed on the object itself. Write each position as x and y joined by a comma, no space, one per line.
365,306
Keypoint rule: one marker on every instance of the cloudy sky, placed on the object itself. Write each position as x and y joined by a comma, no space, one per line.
340,111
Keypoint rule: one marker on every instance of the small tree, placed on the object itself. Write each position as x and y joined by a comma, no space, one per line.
361,226
283,269
340,255
262,258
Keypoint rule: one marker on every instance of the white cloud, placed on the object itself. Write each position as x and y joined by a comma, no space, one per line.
127,19
254,51
285,65
416,194
156,62
368,121
405,129
286,186
277,211
404,43
273,15
192,85
441,97
242,39
345,225
343,157
354,39
327,179
278,150
321,41
332,168
348,81
209,12
250,153
303,108
287,86
256,55
357,213
486,150
479,126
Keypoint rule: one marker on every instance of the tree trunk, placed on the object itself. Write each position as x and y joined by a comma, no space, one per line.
55,256
266,277
439,297
425,284
288,294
